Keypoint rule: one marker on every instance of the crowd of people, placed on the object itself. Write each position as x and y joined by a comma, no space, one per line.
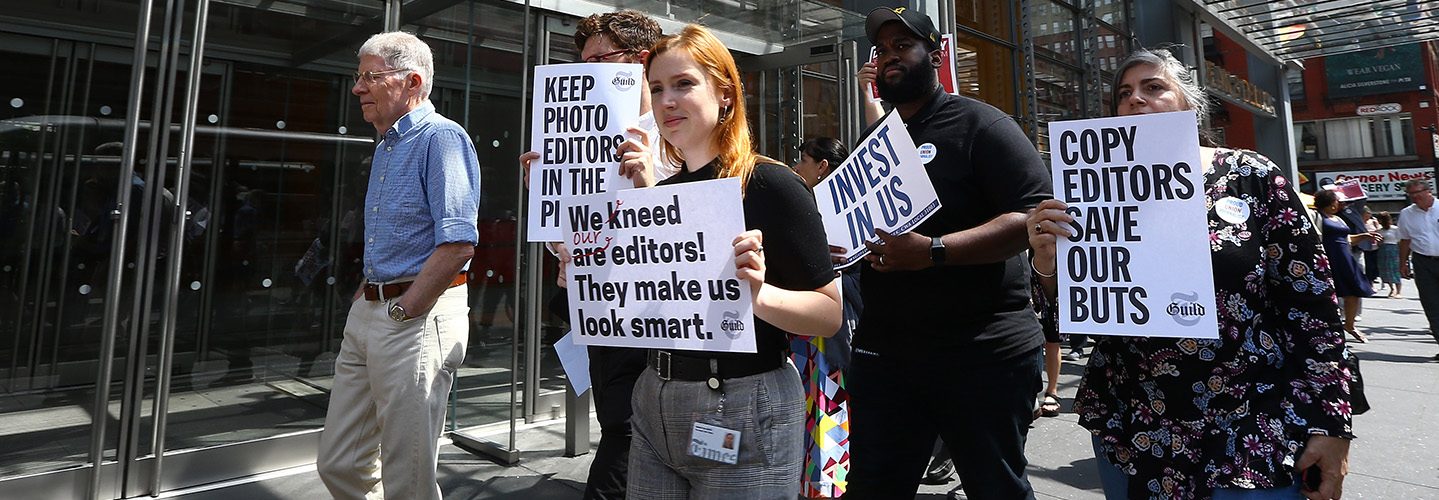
954,321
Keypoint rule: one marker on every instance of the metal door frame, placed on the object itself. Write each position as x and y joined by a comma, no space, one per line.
795,57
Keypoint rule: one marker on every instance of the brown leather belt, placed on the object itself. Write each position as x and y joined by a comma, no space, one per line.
376,291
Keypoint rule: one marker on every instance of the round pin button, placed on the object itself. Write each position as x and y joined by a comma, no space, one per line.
714,384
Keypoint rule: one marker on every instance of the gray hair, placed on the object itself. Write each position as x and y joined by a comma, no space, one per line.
1183,77
402,50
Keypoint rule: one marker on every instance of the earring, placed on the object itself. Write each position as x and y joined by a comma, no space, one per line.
724,113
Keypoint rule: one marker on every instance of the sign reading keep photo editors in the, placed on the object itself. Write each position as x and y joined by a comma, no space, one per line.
580,115
655,268
882,185
1137,261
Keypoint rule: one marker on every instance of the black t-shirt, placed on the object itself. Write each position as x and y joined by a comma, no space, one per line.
777,202
983,166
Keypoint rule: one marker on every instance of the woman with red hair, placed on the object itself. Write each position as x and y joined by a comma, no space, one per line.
698,101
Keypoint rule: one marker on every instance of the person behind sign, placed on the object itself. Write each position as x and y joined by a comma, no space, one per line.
1191,418
405,340
698,99
947,329
1419,238
1349,281
618,37
826,397
823,362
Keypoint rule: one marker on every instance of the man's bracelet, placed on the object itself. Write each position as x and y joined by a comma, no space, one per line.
1042,275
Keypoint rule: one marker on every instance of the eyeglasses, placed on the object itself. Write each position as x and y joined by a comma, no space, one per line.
370,77
1412,193
605,57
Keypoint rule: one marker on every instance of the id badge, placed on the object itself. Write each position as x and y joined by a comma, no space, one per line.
712,442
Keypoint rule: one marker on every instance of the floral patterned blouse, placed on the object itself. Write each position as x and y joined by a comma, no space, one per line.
1182,417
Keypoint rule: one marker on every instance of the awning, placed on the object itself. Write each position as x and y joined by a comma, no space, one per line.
1291,30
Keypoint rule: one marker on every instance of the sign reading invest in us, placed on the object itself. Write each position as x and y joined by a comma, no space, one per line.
1137,260
580,115
882,185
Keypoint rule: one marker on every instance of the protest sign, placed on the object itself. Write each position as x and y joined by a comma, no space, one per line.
1137,261
947,76
654,268
580,115
575,359
1350,190
882,185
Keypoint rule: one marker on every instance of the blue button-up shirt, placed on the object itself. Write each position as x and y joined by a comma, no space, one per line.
424,192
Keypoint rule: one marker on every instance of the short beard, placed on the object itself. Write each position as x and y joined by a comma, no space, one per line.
917,83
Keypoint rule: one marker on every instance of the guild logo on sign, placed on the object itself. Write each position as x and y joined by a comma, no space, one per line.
623,81
731,324
1185,308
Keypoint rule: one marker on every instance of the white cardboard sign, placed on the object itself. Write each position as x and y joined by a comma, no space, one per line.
882,185
1137,262
654,268
580,115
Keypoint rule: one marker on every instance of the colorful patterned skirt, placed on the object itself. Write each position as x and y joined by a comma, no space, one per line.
826,438
1389,263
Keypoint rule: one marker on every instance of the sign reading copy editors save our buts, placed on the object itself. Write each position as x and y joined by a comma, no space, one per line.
882,185
580,115
655,268
1137,262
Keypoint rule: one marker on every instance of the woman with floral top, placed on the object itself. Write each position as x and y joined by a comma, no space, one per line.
1244,415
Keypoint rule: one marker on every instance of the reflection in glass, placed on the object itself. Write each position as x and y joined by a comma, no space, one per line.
987,17
985,71
1052,28
1056,89
479,63
59,159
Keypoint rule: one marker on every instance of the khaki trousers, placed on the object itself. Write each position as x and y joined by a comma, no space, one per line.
387,406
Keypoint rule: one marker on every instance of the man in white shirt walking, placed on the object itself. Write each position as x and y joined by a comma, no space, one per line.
1418,235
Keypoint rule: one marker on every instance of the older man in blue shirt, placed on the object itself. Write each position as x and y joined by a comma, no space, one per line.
405,339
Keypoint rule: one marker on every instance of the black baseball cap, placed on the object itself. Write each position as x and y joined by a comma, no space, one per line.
917,22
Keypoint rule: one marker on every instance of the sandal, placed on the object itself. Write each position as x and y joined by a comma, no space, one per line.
1050,406
1359,337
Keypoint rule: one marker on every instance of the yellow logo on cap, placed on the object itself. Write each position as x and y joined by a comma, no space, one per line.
899,10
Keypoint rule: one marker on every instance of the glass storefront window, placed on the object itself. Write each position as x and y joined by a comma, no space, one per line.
985,71
1362,137
988,17
479,68
1110,48
1111,12
1057,92
1052,27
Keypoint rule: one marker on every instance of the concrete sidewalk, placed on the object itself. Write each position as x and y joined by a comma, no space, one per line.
1396,455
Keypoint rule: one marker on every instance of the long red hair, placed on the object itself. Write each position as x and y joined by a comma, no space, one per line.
732,138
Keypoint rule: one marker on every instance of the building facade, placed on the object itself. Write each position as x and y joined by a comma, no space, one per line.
180,181
1370,115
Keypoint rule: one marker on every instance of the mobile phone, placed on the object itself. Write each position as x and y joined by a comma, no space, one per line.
1312,476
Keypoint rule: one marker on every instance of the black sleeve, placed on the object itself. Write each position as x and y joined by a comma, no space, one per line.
795,250
1010,171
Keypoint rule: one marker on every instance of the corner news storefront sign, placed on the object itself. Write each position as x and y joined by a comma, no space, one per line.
1385,184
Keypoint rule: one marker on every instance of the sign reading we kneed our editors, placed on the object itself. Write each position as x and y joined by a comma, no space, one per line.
580,115
882,185
1137,261
655,268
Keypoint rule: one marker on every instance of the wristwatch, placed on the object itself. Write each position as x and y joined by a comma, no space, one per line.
936,250
398,314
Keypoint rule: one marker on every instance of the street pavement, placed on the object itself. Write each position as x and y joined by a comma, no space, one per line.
1395,457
